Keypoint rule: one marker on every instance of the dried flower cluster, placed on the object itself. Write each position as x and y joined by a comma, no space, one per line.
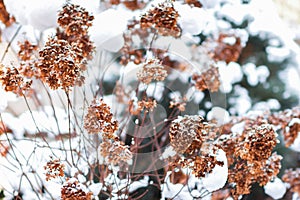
228,48
292,177
147,105
75,22
163,18
190,137
99,118
185,130
114,151
74,19
257,144
152,70
72,190
13,81
5,17
59,65
289,122
26,50
207,80
54,168
28,57
250,154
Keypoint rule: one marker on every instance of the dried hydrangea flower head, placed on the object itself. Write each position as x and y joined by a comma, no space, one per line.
244,174
184,130
74,19
5,17
152,70
114,151
99,118
147,105
269,169
26,50
229,48
258,143
289,122
163,18
75,22
200,160
54,168
207,80
13,81
27,54
292,177
73,190
59,66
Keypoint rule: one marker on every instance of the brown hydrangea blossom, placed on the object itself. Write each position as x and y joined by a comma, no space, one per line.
207,80
163,18
152,70
75,22
74,19
26,50
269,170
200,160
249,153
72,190
99,118
114,151
257,144
245,173
5,18
134,4
54,168
59,65
292,177
226,50
184,130
147,105
288,121
13,81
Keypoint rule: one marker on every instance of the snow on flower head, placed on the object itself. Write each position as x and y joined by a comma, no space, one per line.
217,179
